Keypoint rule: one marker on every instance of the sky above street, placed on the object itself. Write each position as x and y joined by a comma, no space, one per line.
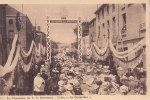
59,32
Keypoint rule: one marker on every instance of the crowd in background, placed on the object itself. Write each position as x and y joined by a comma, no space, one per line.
69,77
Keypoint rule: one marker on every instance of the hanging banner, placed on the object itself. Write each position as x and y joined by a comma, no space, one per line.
29,52
123,66
26,67
8,69
128,52
99,51
9,60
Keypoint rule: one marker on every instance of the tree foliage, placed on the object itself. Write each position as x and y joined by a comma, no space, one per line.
54,48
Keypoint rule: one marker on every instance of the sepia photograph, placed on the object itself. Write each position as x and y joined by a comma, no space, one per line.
73,49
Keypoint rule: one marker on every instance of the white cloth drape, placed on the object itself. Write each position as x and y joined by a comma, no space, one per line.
9,60
26,67
29,52
101,51
126,65
127,53
10,68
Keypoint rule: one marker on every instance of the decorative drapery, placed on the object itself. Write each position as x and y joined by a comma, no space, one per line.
119,57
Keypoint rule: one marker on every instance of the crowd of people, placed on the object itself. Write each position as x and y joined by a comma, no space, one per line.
69,77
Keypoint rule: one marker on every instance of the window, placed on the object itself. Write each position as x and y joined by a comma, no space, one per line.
10,21
114,27
107,9
98,16
142,28
103,12
123,7
123,30
2,13
129,5
108,23
120,49
98,31
142,25
125,43
124,35
114,20
115,46
124,18
103,25
143,31
125,48
11,32
113,7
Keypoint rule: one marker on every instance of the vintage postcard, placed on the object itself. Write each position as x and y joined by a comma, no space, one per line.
74,50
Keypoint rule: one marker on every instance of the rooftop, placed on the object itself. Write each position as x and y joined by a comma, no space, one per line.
92,20
100,7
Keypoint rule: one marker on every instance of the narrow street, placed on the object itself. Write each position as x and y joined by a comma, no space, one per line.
92,78
79,49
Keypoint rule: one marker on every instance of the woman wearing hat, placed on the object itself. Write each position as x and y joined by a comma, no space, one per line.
61,84
69,89
124,90
132,83
124,80
93,89
114,89
103,90
76,87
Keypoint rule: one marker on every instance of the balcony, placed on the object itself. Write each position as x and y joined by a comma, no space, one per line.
142,25
123,31
142,29
124,35
123,7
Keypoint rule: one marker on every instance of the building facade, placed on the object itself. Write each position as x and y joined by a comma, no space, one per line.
25,33
29,34
85,38
92,31
8,29
39,36
121,23
3,42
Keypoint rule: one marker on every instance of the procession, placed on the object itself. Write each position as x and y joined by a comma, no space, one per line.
104,55
71,78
